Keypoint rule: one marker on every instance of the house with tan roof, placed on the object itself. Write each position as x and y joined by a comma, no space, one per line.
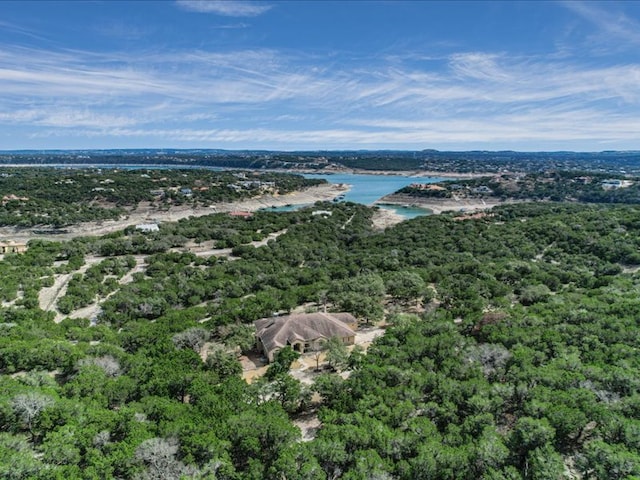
12,247
304,331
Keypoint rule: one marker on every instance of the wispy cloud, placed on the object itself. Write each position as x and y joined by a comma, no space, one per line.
19,29
228,8
577,127
610,21
478,65
268,99
229,26
67,117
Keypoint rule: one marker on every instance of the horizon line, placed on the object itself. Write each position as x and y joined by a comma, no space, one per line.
262,150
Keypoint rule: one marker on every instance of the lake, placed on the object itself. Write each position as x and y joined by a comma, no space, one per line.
367,189
364,188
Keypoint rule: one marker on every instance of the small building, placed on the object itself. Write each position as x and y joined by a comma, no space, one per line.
612,183
241,214
324,213
12,247
13,198
303,331
148,227
483,189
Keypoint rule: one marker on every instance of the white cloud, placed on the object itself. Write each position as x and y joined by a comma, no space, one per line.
611,22
66,118
537,127
252,97
18,29
478,65
228,8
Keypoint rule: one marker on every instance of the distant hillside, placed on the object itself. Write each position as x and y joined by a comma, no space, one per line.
623,162
549,186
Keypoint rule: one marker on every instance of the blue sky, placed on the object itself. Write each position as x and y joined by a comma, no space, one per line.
320,75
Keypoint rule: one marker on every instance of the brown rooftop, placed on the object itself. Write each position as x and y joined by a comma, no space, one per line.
302,331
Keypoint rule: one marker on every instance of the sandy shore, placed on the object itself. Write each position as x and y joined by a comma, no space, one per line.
444,205
385,218
319,193
149,214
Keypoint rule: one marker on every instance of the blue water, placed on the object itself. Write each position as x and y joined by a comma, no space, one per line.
367,189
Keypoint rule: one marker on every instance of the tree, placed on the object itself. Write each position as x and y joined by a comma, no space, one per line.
60,446
369,466
534,294
356,358
490,452
222,362
318,348
238,336
28,406
604,461
331,455
361,296
18,461
544,463
159,455
193,338
109,364
297,463
333,391
406,286
292,393
491,357
337,353
282,362
531,433
259,436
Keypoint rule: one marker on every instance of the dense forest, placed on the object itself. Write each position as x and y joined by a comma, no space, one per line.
510,349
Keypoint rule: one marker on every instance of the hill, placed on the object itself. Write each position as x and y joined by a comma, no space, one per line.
509,349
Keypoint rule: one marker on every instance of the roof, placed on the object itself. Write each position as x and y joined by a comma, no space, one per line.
12,243
148,227
277,332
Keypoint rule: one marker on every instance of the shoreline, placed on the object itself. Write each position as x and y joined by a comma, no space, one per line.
444,205
141,214
317,193
424,173
384,218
